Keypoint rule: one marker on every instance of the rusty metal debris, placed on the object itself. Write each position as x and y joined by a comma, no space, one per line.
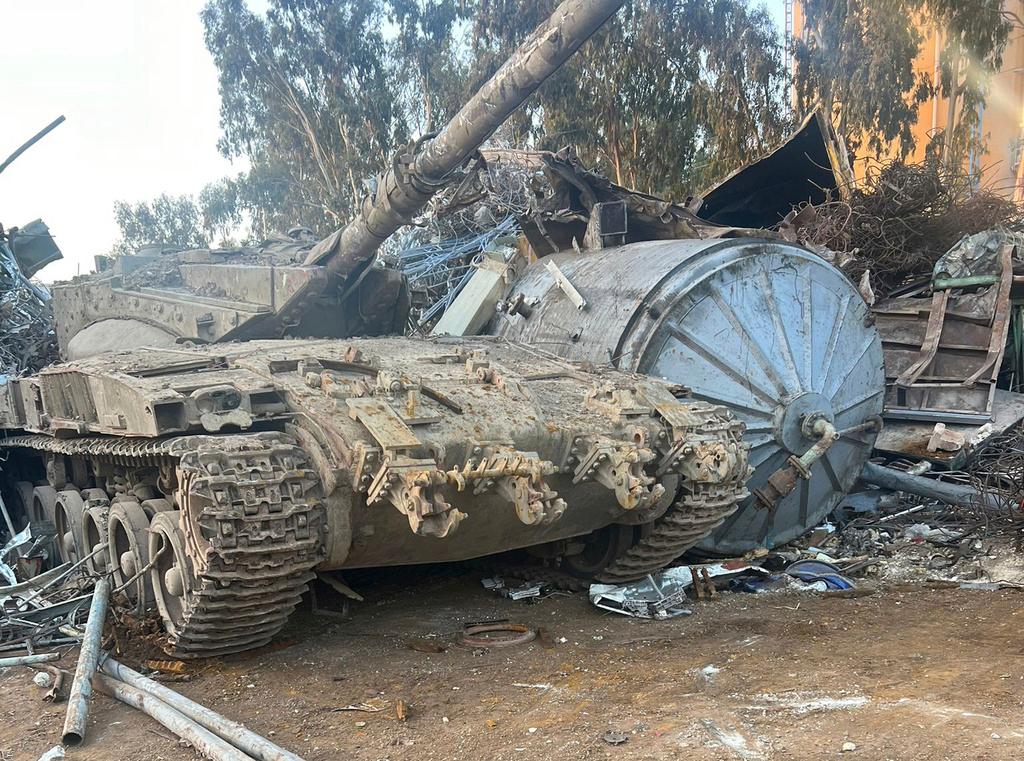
899,220
497,635
614,737
27,338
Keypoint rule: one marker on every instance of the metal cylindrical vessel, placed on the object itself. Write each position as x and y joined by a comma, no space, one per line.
765,328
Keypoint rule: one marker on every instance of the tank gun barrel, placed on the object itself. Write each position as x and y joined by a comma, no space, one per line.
406,187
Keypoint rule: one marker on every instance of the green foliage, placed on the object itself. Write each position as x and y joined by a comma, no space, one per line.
975,33
308,96
317,94
856,57
668,96
174,220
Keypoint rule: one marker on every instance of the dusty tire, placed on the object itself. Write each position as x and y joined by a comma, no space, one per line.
153,506
22,515
44,503
94,536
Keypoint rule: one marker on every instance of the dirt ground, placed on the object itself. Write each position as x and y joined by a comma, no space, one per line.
902,675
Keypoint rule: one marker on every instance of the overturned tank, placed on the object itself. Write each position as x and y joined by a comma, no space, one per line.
216,481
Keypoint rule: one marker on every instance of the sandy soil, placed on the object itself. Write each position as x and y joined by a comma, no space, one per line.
902,675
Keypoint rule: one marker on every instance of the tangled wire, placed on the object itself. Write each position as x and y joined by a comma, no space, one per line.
998,469
900,219
27,338
438,251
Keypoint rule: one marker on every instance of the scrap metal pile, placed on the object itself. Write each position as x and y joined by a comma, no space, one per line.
27,338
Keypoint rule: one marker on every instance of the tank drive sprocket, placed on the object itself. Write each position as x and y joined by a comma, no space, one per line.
702,506
230,565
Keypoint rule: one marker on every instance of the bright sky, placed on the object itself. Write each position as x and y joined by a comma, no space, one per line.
139,91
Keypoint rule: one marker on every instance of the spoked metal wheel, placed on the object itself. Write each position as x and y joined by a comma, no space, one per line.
128,543
171,576
69,512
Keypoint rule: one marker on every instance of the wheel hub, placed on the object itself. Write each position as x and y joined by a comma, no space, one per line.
790,417
173,582
128,567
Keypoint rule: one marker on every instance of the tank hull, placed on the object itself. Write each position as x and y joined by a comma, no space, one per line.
266,461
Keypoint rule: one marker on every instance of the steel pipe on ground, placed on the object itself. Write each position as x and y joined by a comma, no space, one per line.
204,741
25,660
929,488
81,687
238,735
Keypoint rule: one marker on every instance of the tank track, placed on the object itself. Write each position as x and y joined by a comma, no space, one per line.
253,528
701,508
685,523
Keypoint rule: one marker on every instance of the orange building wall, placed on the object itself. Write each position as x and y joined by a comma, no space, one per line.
1001,121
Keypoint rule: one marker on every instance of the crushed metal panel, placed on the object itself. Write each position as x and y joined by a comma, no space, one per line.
802,170
34,247
943,354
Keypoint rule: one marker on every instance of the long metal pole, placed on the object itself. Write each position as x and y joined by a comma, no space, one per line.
81,687
405,188
929,488
204,741
235,733
24,660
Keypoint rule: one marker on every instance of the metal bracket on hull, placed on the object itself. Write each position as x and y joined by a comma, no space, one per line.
517,476
413,486
618,466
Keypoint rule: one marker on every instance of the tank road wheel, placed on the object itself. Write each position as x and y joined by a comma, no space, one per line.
600,549
153,506
128,542
44,504
43,509
68,515
23,515
171,577
94,533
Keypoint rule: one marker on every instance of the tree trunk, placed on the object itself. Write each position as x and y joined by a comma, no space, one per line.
951,111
